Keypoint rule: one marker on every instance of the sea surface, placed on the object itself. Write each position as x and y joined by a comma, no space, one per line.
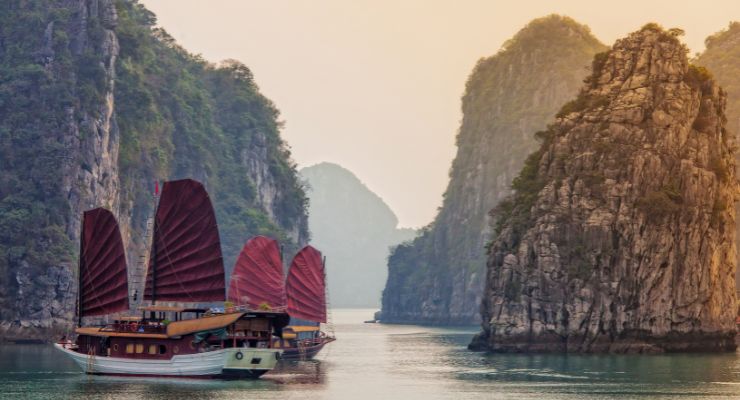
376,361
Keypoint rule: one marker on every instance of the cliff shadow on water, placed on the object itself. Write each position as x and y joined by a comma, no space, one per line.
620,236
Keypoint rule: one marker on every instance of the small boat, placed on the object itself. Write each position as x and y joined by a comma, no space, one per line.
257,282
185,266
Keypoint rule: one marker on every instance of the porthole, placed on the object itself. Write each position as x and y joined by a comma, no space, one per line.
175,349
115,347
192,345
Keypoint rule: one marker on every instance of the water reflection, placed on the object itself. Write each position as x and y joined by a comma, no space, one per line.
371,361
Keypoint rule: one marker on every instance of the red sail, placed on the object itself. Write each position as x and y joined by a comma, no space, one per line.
103,276
305,286
258,275
185,262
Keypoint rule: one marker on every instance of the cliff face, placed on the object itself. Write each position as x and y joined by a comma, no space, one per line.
438,278
59,151
355,230
95,105
722,57
621,234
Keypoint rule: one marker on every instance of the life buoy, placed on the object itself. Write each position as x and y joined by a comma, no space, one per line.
238,355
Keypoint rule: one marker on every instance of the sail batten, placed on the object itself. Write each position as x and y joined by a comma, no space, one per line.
186,262
306,287
102,256
257,279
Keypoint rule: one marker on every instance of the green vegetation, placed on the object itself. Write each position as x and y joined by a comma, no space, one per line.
33,100
698,77
183,117
719,168
177,116
516,210
596,66
584,101
658,204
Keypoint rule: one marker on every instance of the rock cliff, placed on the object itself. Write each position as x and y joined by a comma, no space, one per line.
722,57
354,229
95,105
620,236
438,279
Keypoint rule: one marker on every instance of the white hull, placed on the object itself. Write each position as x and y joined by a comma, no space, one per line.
207,364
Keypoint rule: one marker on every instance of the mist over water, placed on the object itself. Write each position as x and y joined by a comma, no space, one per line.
376,361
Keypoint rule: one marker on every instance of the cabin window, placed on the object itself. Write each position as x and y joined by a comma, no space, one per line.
115,347
256,360
152,349
139,348
176,349
162,349
130,348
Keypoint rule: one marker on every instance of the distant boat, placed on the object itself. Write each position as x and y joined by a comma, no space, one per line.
185,266
257,282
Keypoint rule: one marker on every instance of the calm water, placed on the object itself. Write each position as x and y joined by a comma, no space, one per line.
372,361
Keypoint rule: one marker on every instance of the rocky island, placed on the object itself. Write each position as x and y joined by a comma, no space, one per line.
620,236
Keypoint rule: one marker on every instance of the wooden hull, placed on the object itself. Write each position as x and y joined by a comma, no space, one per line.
305,352
223,363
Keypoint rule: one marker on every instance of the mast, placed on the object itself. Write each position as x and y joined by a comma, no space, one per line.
79,275
154,259
153,254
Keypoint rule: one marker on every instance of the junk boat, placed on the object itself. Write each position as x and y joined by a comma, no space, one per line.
185,266
257,283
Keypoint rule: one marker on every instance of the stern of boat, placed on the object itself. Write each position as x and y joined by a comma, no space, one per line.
240,362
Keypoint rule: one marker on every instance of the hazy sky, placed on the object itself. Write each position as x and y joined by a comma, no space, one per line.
375,85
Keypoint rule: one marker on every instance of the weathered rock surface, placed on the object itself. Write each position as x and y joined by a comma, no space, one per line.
722,58
42,300
621,234
438,279
81,83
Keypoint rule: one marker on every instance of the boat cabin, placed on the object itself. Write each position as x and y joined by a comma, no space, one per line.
140,338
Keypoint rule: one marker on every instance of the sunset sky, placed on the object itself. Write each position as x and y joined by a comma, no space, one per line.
375,85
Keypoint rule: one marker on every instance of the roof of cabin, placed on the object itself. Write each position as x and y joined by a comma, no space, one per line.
96,331
303,328
157,308
184,327
177,328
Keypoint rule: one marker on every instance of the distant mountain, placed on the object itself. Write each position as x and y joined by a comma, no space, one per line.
355,230
722,57
438,279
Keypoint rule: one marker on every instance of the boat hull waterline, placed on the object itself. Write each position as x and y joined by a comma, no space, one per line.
222,364
305,352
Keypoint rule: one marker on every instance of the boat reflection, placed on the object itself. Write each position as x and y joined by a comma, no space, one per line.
298,372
